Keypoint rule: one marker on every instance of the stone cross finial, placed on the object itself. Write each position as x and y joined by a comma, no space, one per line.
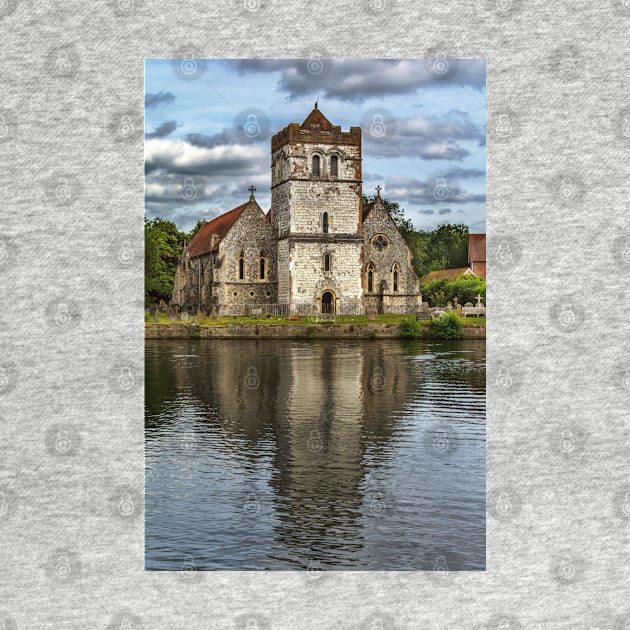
478,299
251,190
378,190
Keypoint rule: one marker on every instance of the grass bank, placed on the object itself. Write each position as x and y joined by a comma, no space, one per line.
341,320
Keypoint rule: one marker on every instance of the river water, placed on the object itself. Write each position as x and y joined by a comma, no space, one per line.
321,454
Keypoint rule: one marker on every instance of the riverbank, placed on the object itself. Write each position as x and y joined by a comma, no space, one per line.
182,330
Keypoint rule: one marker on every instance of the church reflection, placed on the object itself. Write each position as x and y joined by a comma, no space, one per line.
308,412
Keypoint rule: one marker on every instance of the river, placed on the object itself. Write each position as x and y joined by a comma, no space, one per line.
315,454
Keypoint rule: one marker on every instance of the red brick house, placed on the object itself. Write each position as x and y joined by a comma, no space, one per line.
477,254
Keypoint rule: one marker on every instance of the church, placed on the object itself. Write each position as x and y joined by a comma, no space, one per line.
318,249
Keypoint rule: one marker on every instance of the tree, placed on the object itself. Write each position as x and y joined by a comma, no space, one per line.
162,247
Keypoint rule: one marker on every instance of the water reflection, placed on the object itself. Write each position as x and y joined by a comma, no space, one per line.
277,454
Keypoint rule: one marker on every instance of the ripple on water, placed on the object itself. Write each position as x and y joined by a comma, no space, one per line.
321,462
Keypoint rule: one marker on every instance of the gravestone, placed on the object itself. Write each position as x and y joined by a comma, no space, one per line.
372,313
201,315
478,300
163,306
185,316
457,306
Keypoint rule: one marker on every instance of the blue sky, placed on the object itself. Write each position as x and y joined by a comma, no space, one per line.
208,126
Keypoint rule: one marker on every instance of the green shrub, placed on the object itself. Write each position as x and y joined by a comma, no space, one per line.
465,289
447,326
409,328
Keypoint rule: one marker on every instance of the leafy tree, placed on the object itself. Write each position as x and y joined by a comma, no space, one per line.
162,247
435,292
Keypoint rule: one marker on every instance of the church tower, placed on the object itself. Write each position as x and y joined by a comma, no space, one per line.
316,197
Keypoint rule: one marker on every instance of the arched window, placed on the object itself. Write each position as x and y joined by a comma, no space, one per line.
370,278
241,266
334,166
315,167
327,265
325,223
395,277
262,268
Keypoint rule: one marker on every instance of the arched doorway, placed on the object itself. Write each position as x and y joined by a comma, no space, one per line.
328,303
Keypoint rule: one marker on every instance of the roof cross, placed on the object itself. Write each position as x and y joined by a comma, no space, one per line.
252,190
378,190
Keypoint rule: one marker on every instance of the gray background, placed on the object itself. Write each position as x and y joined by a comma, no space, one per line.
71,399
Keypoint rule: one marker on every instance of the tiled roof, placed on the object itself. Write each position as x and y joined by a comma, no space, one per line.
202,243
476,248
317,120
445,274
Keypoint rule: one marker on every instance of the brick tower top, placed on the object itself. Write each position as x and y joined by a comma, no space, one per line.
316,129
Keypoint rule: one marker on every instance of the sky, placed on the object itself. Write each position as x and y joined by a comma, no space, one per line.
209,122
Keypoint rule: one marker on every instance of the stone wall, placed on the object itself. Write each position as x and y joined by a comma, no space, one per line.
249,331
396,252
309,280
253,236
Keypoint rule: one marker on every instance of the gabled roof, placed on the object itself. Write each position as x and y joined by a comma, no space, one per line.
476,248
376,202
446,274
317,120
202,243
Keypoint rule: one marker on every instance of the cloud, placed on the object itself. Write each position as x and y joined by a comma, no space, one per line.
415,191
430,138
183,180
180,156
152,100
465,173
444,211
165,129
426,212
359,79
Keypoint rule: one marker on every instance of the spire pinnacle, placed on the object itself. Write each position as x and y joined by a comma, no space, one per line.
251,189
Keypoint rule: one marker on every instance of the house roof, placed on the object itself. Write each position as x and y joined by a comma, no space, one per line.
317,120
476,248
202,242
446,274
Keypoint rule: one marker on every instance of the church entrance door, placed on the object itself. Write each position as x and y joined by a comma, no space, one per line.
328,303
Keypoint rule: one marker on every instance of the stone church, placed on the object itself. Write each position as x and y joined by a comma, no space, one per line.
317,250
